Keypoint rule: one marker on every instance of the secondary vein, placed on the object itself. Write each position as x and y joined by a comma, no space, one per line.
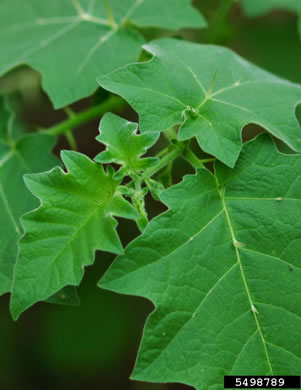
8,209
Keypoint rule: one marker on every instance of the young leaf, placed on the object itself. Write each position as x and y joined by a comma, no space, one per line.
18,155
75,218
67,41
223,270
124,146
211,92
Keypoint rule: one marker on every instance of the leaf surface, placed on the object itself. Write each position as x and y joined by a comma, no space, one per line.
74,220
222,267
124,145
211,92
72,42
19,155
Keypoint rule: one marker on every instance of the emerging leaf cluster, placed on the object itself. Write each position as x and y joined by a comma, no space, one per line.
124,146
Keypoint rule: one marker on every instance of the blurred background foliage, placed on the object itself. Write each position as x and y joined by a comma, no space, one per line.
94,345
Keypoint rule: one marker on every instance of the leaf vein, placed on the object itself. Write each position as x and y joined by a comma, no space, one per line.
273,257
278,346
245,280
8,209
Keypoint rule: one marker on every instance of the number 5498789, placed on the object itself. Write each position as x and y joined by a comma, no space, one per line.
259,382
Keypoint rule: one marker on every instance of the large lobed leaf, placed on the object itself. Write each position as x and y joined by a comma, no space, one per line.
75,219
222,267
19,155
72,42
211,92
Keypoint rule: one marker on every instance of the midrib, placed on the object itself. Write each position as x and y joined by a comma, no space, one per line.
252,306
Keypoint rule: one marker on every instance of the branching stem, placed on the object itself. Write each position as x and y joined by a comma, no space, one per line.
71,140
193,160
112,103
175,152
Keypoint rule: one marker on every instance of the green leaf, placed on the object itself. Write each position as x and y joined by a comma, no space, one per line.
259,7
74,220
72,42
168,14
19,155
11,128
255,8
222,267
66,296
211,92
124,146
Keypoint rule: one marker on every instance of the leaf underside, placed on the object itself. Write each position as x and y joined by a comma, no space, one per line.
222,267
19,155
67,41
211,92
75,219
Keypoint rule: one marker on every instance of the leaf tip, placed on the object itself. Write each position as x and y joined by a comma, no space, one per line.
15,309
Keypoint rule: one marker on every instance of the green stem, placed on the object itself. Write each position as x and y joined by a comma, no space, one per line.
163,152
217,24
69,136
170,134
175,152
165,177
71,140
207,160
139,204
192,159
68,110
112,103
